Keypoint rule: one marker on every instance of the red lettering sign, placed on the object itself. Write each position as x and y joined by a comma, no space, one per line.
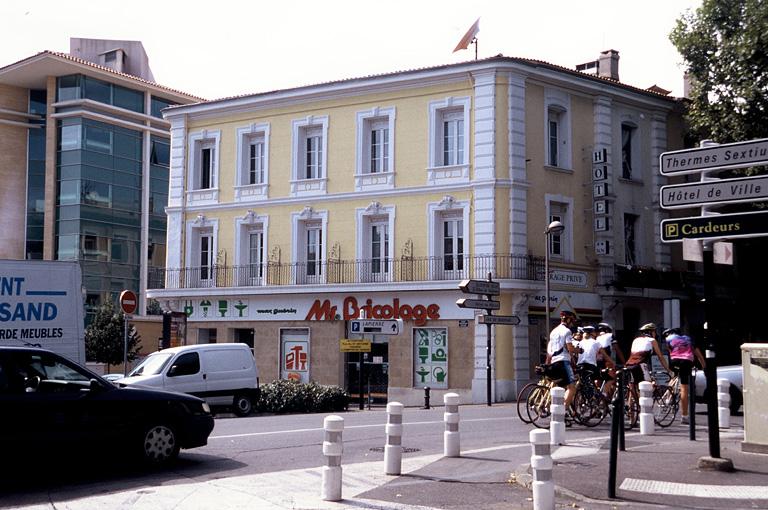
351,309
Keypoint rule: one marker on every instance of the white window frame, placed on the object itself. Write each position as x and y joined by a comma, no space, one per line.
197,141
366,217
438,172
566,237
558,104
195,230
301,186
244,190
438,212
364,179
243,228
300,221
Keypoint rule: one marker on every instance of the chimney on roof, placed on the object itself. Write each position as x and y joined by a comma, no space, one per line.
608,65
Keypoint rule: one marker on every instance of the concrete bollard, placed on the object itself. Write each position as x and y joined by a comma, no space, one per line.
647,425
724,403
451,439
393,450
543,486
557,408
332,448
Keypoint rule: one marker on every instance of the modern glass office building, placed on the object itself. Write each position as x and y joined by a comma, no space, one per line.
94,160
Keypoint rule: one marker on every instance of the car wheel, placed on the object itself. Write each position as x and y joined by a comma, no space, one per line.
160,444
736,399
242,404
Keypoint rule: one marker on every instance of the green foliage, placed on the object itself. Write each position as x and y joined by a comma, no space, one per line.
104,336
285,396
153,307
725,47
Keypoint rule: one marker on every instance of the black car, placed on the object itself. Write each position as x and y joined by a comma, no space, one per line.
50,403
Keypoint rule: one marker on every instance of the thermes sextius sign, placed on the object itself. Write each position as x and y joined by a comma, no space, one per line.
728,155
729,226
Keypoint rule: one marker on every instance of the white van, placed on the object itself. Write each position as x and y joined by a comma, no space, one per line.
222,374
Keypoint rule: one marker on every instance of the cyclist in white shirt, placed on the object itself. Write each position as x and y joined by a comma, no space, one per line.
559,351
591,350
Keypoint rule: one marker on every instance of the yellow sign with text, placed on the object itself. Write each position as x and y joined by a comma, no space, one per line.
347,345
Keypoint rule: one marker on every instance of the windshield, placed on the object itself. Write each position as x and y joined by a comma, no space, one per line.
152,364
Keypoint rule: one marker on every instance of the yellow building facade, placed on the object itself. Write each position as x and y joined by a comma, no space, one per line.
294,212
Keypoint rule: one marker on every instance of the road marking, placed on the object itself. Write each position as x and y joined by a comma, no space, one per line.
375,425
694,489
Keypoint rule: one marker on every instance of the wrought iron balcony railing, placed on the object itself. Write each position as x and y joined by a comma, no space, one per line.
501,267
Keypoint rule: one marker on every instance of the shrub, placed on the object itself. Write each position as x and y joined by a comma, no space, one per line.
286,396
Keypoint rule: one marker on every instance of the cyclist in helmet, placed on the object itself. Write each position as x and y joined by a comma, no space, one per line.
682,352
608,345
643,347
559,351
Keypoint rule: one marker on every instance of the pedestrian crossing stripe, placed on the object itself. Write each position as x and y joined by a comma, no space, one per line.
694,490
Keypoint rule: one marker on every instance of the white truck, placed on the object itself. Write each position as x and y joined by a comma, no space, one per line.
41,305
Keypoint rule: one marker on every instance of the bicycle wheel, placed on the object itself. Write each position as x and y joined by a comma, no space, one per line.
537,406
631,410
665,405
594,411
522,402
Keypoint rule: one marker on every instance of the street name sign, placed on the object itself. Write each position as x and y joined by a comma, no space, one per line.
751,224
379,327
347,345
480,304
480,287
508,320
725,191
715,157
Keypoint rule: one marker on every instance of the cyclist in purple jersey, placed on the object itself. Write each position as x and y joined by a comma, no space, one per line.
682,352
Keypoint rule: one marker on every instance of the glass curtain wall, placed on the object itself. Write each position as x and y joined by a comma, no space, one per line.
36,178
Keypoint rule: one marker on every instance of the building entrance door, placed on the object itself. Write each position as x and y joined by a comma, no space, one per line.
375,373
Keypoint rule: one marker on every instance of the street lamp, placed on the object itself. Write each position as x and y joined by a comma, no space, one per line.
556,228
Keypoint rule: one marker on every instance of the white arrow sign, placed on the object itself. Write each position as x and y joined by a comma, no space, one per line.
379,327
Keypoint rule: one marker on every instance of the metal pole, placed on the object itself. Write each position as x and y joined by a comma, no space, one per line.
360,383
488,355
711,370
692,408
546,281
125,345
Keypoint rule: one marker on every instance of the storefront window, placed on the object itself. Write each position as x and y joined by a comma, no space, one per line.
294,355
430,356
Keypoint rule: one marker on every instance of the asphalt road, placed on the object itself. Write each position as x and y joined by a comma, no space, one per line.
266,444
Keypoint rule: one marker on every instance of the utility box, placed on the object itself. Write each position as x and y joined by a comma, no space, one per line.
754,360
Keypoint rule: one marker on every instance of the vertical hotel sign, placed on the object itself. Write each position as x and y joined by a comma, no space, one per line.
601,206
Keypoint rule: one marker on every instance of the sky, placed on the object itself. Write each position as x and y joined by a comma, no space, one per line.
227,48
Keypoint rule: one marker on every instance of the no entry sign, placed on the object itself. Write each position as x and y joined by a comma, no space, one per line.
128,301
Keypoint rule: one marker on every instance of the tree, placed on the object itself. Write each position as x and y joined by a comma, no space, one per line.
104,336
725,48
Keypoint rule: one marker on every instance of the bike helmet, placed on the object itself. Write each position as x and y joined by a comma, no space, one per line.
604,326
647,328
670,331
567,313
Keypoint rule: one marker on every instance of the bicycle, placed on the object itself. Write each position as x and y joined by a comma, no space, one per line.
590,404
536,399
631,400
666,402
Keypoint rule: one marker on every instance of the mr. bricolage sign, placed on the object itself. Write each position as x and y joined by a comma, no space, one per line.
418,307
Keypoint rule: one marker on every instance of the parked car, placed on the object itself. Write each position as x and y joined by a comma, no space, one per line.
735,374
223,374
50,403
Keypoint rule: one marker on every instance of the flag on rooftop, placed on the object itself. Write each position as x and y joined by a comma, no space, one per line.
468,37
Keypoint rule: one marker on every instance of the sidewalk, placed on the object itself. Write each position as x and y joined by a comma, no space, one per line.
662,469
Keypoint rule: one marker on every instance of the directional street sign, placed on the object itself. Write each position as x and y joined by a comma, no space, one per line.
480,287
480,304
725,191
751,224
727,155
379,327
508,320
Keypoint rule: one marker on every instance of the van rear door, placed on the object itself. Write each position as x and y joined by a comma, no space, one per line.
185,374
